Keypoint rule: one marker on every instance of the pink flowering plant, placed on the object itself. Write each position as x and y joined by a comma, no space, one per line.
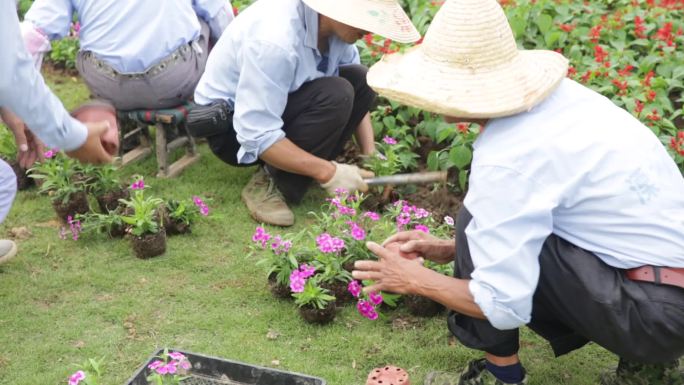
187,211
141,214
89,373
278,259
391,157
169,368
306,289
60,176
368,304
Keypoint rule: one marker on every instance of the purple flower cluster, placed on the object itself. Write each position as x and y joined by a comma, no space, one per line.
49,154
178,360
422,228
357,232
365,307
342,209
279,246
77,377
329,244
261,237
299,276
138,185
354,288
389,140
449,220
373,216
203,208
74,227
409,213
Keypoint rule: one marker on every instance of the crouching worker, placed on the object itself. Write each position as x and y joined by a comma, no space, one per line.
284,88
574,220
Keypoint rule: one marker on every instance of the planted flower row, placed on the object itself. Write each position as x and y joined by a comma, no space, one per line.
314,266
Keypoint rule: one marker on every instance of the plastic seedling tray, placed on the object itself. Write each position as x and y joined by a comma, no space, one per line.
207,370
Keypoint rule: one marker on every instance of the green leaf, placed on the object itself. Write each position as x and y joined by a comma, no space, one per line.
463,179
433,161
460,156
544,22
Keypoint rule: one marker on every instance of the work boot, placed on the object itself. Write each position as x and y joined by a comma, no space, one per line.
8,249
475,373
265,203
634,373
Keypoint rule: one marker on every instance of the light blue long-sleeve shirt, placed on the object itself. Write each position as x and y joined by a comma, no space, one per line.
24,92
130,35
577,166
268,52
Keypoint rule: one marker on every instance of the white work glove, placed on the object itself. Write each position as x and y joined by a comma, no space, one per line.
347,177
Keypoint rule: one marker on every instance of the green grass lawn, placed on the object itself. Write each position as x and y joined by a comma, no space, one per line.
63,301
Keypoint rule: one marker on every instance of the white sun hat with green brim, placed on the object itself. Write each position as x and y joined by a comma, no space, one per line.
469,66
382,17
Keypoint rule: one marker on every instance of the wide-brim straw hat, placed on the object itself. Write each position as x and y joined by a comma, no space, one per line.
469,66
382,17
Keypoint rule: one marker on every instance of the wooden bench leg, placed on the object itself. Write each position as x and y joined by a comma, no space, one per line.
173,170
141,151
162,151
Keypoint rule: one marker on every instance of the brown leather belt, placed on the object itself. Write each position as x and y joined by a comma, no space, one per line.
656,274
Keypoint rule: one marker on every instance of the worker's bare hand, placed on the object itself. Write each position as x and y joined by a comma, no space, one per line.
415,243
29,148
391,272
96,149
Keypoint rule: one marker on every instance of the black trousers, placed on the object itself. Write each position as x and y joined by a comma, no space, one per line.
580,299
320,117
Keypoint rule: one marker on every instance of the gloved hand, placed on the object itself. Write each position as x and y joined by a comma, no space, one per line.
347,177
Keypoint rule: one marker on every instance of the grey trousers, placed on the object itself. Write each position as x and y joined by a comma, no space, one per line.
169,87
580,299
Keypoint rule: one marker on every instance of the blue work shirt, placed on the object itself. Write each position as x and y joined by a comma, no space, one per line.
129,35
266,53
24,92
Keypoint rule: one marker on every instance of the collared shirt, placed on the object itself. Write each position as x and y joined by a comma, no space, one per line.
269,51
576,166
24,92
130,35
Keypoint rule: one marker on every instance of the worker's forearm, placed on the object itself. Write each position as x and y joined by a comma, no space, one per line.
450,292
287,156
364,136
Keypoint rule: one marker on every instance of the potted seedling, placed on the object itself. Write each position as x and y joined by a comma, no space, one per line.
278,260
106,187
333,277
315,303
180,215
142,215
111,223
59,180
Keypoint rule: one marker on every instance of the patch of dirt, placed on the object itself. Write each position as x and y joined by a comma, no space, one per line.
20,233
350,154
440,202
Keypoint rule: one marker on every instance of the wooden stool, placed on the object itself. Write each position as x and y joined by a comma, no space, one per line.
171,119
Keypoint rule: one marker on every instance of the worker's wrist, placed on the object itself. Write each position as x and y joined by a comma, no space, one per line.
325,172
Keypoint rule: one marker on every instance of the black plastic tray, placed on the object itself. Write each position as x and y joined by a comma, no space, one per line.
207,370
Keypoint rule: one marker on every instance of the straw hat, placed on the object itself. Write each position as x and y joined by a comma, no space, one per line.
383,17
469,66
